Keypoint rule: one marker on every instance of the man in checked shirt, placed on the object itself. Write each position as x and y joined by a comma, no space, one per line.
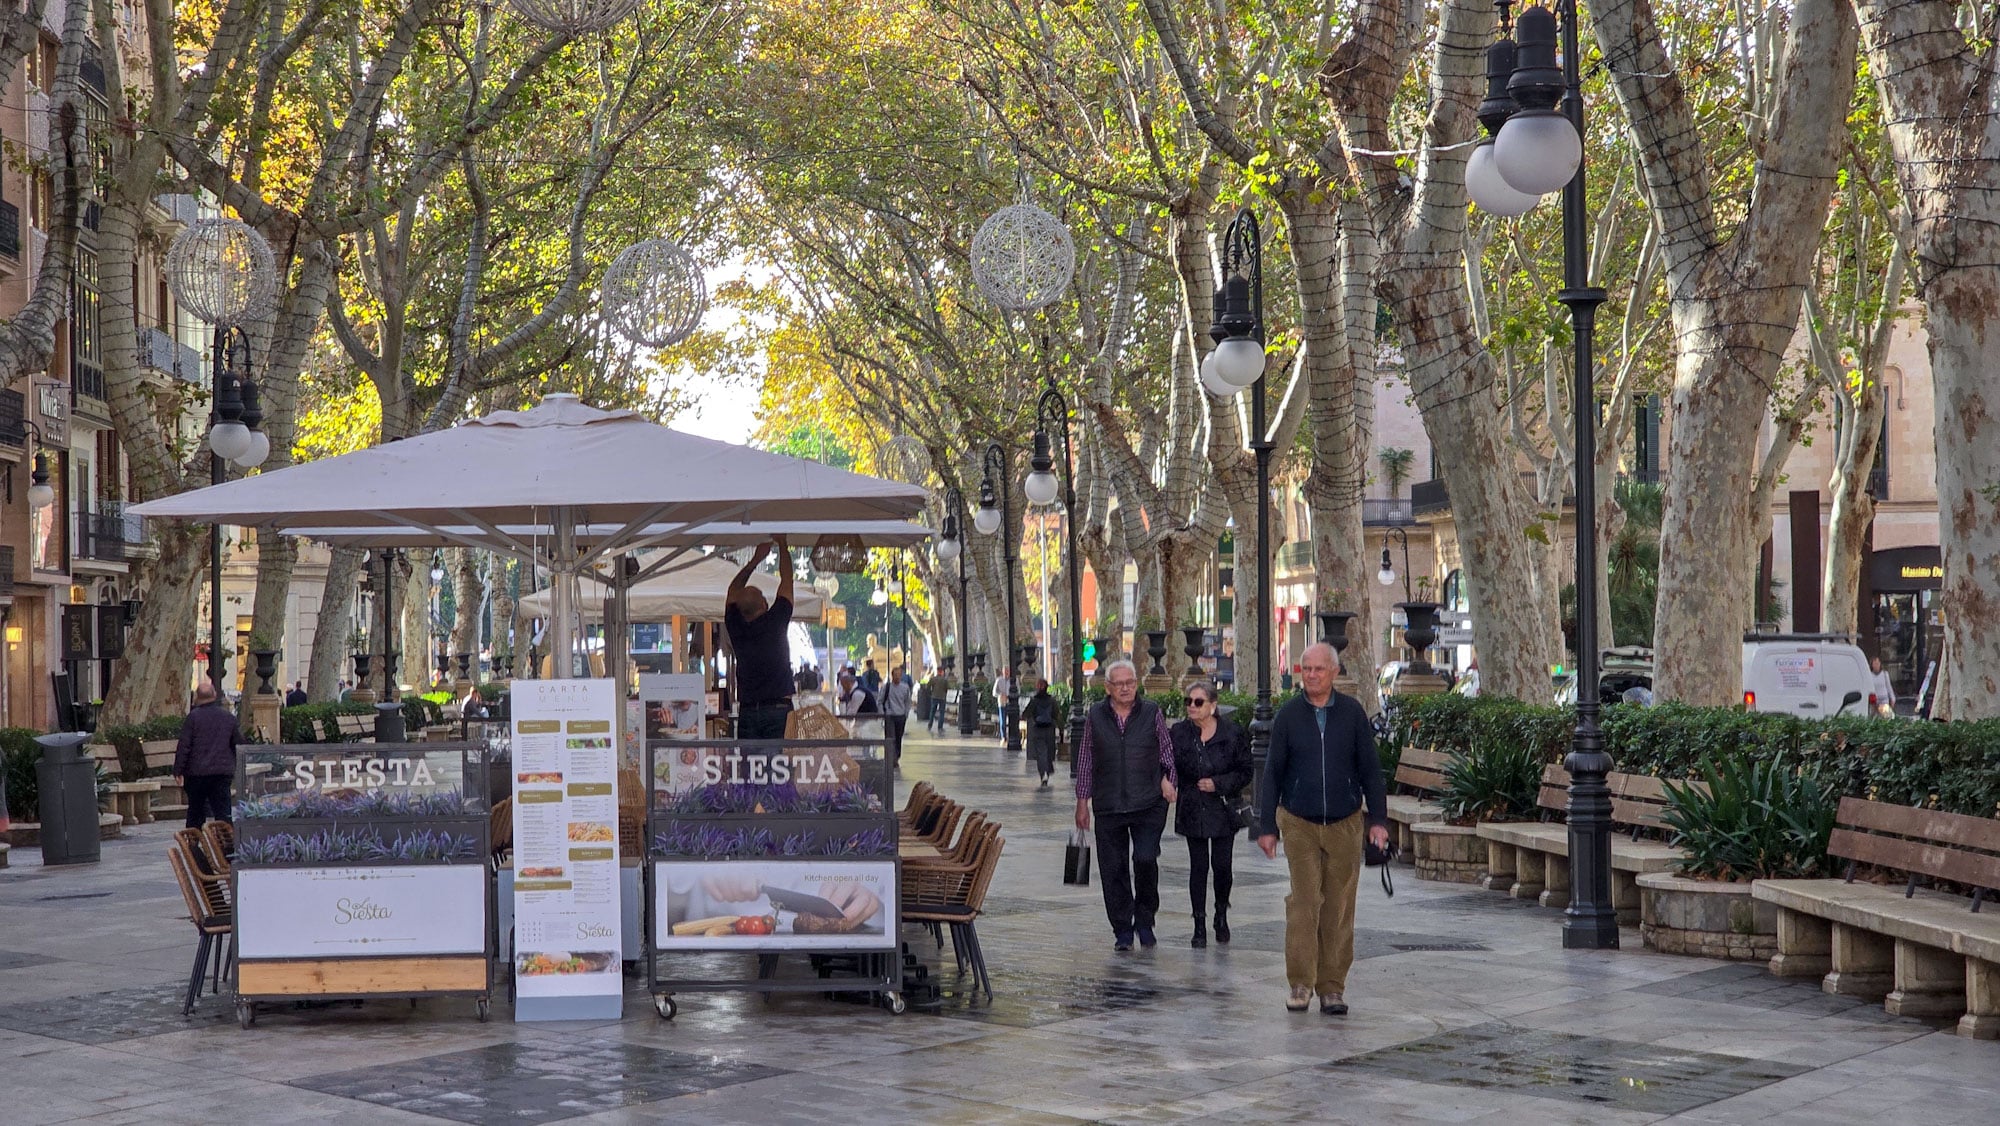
1125,768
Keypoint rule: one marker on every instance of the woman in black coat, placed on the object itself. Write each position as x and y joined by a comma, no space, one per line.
1040,712
1212,759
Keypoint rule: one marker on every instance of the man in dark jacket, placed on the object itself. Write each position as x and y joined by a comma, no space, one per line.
1320,772
1125,767
205,760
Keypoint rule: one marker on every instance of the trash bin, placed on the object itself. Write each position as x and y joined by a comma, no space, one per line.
389,722
69,799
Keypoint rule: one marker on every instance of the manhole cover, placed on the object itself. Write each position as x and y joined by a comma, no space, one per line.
1409,947
78,895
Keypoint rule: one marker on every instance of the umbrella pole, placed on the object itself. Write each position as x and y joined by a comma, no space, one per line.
562,592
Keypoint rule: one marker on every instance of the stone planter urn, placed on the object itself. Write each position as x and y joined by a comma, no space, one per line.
1333,628
465,666
267,667
1451,853
1194,640
1102,647
1706,918
360,671
1156,648
947,663
1420,632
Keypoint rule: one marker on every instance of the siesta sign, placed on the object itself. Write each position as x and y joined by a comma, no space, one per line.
774,769
372,773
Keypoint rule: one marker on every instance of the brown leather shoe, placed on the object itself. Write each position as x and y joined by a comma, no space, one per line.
1333,1004
1300,1000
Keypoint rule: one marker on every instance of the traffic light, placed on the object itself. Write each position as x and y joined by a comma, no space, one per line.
1089,652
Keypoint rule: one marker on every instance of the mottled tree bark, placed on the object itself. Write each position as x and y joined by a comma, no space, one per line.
330,664
1735,301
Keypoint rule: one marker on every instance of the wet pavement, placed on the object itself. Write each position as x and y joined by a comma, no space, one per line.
1466,1009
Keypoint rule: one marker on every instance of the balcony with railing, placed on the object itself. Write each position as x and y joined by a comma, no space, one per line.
1380,512
159,351
1429,498
6,572
103,535
13,418
1294,557
180,207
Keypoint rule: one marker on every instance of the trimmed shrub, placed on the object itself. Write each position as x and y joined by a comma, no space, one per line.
314,723
1758,819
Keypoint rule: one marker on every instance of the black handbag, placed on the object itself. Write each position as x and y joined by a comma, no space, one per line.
1076,860
1243,814
1381,858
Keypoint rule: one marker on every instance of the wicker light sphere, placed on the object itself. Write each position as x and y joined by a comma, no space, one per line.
654,294
1022,258
222,271
576,17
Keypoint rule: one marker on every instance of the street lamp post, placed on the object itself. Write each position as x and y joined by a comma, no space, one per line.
1537,148
1052,421
1387,575
951,547
1235,364
990,521
233,436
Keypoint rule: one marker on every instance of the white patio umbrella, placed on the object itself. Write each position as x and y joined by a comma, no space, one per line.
556,466
697,591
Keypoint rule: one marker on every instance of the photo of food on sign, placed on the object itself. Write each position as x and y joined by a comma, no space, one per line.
539,777
541,872
590,743
590,831
542,963
673,719
734,901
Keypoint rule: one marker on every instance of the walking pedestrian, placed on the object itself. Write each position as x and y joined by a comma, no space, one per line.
1322,779
940,689
896,696
759,634
1125,768
1040,713
1003,700
296,697
871,679
1212,763
205,757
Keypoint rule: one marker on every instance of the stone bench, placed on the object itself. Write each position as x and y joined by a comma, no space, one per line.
1923,953
1530,860
132,800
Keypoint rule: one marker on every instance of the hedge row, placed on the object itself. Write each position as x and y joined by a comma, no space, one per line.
1949,766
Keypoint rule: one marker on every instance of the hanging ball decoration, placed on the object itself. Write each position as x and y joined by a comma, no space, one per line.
1022,258
573,17
654,294
222,271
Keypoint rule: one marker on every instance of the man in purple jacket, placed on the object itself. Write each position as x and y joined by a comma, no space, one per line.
205,760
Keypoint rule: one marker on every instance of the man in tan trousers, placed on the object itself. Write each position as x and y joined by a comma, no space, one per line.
1319,775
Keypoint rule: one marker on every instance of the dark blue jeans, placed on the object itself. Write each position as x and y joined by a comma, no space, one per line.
766,721
1128,866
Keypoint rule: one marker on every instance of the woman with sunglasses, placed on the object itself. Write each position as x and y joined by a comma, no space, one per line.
1212,758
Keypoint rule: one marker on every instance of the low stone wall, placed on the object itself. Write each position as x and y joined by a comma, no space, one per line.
28,834
1706,918
1451,853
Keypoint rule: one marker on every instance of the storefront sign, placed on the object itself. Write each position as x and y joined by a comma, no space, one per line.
1904,569
801,904
353,773
567,936
383,911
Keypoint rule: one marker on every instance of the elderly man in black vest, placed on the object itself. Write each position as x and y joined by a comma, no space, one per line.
1125,768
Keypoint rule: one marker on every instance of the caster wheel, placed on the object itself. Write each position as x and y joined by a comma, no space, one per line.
485,1010
665,1006
896,1004
246,1013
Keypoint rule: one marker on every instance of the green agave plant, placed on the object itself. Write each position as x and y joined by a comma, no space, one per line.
1494,779
1753,820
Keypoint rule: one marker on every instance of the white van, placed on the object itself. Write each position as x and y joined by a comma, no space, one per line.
1808,675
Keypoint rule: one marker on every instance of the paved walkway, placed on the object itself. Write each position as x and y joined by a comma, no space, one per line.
1466,1009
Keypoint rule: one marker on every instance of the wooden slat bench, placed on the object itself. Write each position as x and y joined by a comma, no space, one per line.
132,800
1421,771
355,728
1530,860
1924,953
168,800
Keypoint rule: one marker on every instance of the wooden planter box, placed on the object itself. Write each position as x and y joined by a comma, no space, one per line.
1452,853
1707,918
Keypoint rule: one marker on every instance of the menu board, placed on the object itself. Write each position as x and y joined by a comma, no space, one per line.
566,911
675,709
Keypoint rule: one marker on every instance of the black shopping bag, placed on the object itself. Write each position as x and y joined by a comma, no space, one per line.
1076,860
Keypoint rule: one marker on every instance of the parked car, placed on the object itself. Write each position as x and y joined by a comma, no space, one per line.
1806,674
1624,675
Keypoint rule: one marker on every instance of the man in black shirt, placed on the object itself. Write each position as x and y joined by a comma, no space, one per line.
760,641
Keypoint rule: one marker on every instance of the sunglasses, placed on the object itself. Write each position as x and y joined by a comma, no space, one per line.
1197,702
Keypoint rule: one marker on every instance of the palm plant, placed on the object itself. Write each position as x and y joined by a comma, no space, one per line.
1396,464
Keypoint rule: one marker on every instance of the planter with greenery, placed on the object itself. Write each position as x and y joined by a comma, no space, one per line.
1746,819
